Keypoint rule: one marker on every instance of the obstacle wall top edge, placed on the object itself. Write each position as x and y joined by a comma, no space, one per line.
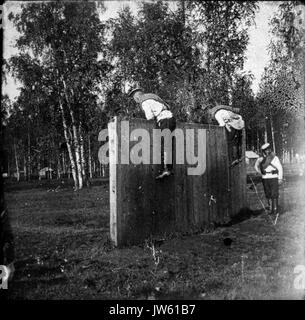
179,123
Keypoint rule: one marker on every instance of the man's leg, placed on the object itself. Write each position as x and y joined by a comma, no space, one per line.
239,138
234,138
167,165
169,154
274,185
267,191
268,204
230,139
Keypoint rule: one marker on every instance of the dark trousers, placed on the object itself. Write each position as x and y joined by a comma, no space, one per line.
235,139
271,188
170,124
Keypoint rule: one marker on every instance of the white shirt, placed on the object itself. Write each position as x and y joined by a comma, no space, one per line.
277,164
153,108
229,119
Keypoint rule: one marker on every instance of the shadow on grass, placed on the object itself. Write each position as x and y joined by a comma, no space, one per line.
243,214
246,213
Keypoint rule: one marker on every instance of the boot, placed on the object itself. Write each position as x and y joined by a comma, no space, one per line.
268,207
165,173
274,206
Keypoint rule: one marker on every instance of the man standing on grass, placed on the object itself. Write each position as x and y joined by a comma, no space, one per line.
155,108
269,166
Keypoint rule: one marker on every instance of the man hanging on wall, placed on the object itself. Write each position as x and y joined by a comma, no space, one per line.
155,108
228,117
270,167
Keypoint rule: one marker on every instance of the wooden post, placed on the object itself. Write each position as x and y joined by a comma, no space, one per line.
114,182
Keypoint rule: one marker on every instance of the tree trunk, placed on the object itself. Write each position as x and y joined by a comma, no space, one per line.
25,171
266,131
182,8
58,167
69,147
76,142
17,166
83,157
272,134
77,151
94,168
257,141
29,157
89,157
63,163
38,160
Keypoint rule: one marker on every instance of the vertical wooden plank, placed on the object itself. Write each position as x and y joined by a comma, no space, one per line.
208,179
114,183
137,202
217,178
204,182
244,173
189,178
238,184
226,164
178,190
212,177
218,175
199,188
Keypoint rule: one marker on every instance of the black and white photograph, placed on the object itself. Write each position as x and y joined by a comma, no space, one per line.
152,151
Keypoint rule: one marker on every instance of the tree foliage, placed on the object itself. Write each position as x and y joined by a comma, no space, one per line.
282,86
189,56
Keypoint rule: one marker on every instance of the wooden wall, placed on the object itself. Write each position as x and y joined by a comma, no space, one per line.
142,207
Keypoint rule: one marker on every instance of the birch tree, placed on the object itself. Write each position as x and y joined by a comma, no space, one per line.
62,61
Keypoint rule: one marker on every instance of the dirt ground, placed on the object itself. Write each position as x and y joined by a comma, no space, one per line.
63,250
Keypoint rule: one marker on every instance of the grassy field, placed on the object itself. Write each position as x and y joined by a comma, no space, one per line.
63,251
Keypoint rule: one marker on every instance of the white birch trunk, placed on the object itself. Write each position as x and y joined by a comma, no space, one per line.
76,170
17,165
89,155
69,147
82,152
77,154
76,142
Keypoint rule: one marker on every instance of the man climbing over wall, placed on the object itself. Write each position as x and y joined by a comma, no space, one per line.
228,117
270,167
155,108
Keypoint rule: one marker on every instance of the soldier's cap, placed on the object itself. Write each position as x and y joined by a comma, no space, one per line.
134,90
265,146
